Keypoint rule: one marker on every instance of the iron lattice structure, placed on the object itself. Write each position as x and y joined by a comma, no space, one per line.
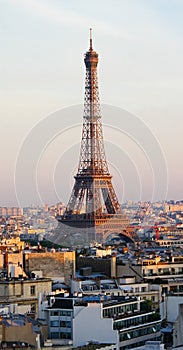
93,211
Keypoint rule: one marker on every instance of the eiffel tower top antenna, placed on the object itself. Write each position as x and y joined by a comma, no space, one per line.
91,48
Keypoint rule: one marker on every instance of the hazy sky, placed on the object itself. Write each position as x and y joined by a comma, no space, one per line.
140,48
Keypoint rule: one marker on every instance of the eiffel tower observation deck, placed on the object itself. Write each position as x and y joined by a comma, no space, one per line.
93,212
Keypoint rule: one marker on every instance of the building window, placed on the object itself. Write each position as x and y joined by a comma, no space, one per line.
65,313
65,335
54,313
65,324
33,308
54,335
32,290
139,333
54,323
5,290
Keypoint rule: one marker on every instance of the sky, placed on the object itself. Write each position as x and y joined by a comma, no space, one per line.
140,71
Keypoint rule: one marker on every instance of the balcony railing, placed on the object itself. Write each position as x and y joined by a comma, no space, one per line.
134,313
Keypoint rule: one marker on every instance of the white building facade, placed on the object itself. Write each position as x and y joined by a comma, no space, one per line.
124,321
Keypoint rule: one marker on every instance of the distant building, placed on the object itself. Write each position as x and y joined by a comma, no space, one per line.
105,265
12,243
18,332
53,264
23,294
124,286
11,211
152,268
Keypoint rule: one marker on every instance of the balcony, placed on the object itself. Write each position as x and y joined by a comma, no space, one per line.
152,316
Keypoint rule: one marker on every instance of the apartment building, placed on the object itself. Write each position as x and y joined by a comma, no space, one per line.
22,293
121,320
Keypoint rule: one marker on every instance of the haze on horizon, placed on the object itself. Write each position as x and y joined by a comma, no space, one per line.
42,71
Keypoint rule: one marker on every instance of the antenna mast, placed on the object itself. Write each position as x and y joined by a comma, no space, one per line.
91,39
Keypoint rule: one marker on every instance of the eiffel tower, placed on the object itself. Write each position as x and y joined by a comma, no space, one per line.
93,212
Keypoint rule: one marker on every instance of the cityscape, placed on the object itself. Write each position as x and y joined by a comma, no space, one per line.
91,226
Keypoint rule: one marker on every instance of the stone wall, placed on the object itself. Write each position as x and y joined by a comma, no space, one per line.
129,270
97,264
13,258
52,264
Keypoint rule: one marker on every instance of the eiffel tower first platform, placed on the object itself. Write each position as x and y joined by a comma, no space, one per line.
93,212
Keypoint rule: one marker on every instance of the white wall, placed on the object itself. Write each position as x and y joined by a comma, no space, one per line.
129,280
88,325
75,286
178,327
163,310
172,307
